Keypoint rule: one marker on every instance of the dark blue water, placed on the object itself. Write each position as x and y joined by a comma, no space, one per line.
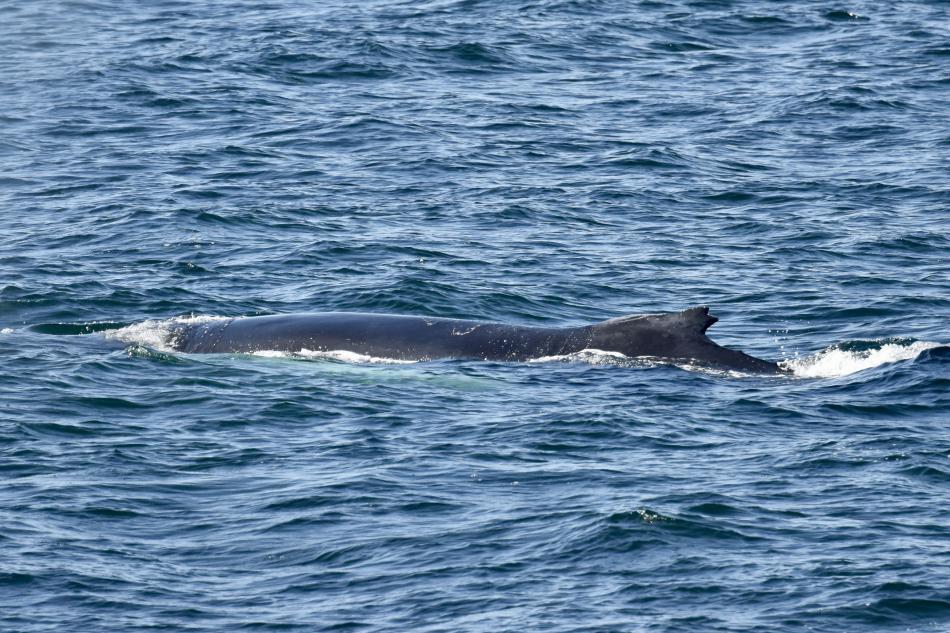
540,162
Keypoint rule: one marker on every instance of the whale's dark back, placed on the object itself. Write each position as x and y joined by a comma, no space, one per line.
382,335
678,336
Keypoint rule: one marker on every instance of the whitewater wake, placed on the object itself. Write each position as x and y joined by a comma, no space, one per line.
848,358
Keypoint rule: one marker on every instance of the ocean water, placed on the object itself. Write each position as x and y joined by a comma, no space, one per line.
544,162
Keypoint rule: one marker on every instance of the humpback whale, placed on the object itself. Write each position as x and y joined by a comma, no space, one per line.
676,336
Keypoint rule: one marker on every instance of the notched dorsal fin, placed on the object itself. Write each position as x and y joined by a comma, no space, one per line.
698,318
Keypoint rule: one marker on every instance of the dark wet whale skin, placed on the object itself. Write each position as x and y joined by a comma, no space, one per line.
678,336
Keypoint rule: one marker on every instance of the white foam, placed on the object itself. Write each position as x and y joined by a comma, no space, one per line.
338,354
592,356
155,334
587,355
6,330
834,361
270,353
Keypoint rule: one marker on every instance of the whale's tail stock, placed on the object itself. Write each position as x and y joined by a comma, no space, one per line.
676,336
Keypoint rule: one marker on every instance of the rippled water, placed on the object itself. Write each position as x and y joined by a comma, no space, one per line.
546,162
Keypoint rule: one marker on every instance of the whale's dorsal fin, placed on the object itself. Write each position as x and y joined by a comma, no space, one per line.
696,319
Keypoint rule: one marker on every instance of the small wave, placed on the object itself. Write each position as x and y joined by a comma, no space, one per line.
851,357
156,334
6,330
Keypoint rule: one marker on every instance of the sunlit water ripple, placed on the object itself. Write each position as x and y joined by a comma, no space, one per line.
545,162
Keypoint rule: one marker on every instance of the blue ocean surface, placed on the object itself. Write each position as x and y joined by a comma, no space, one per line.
538,162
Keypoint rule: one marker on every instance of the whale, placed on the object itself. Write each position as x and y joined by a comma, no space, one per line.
677,337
